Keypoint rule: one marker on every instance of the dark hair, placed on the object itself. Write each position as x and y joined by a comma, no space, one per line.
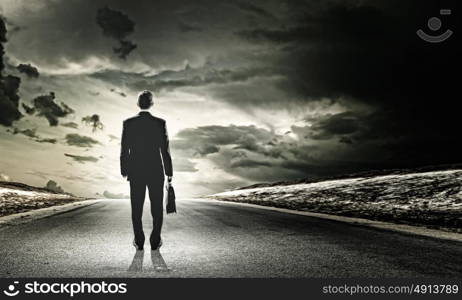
145,100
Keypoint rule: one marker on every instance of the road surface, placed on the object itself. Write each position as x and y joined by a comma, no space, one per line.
215,239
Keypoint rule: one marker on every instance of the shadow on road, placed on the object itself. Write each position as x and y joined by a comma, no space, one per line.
137,262
158,262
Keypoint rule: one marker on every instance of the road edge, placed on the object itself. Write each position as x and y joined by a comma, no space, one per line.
401,228
35,214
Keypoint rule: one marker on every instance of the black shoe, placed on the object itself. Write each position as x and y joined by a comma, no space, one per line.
156,247
137,246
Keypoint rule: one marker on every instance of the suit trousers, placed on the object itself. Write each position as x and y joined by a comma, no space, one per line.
155,185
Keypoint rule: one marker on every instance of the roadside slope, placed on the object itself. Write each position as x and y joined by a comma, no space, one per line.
18,197
431,199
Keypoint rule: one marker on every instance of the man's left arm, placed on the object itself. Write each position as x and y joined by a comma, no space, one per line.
124,152
165,150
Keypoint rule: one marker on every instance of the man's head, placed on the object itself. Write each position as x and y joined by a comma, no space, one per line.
145,100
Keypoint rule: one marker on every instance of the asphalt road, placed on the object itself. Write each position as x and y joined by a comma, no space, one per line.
213,239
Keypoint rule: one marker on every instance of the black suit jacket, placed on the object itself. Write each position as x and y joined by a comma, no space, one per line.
145,149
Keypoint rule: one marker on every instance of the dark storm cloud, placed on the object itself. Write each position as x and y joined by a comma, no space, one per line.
47,140
261,155
12,28
345,140
29,70
378,130
252,8
207,139
122,94
369,52
248,163
340,124
45,106
188,77
73,139
184,27
82,159
94,121
78,39
29,109
333,53
124,49
247,151
3,40
212,77
117,25
32,133
9,85
70,125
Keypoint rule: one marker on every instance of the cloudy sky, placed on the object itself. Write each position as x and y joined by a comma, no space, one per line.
252,91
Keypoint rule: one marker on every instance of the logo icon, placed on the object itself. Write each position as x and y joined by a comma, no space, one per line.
11,291
434,24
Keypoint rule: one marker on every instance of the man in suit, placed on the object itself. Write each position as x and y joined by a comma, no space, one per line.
144,158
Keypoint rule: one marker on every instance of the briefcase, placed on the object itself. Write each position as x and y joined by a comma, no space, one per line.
171,205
